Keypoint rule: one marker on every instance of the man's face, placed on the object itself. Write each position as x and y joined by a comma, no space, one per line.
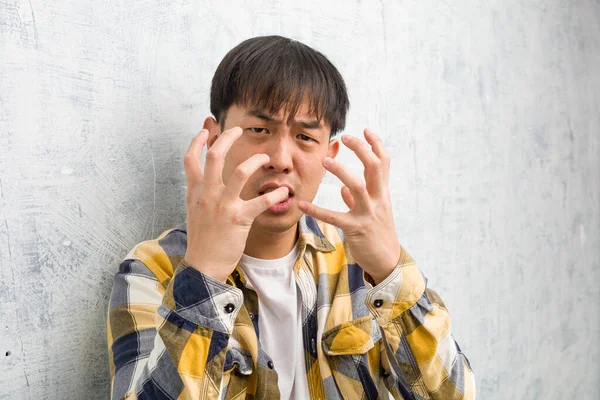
296,153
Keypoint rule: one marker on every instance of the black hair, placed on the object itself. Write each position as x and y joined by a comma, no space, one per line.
272,73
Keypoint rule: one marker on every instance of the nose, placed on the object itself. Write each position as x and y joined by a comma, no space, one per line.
280,152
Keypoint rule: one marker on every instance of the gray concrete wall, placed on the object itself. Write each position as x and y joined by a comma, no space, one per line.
489,109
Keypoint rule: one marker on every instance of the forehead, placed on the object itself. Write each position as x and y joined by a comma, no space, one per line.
284,111
304,116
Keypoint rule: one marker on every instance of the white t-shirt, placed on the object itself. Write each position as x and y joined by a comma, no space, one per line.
279,319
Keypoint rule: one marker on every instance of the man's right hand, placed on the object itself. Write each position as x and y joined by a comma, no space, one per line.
218,220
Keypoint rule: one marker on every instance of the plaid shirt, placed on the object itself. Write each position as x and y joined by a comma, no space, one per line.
176,333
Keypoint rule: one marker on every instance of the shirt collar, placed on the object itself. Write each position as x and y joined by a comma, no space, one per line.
310,234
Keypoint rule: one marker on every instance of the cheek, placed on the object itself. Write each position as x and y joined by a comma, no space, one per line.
237,154
312,172
232,161
228,169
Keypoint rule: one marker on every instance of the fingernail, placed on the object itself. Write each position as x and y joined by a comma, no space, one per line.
327,161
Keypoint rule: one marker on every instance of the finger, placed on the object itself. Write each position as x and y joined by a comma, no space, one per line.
372,163
192,162
242,173
260,204
347,197
355,184
341,220
379,150
215,156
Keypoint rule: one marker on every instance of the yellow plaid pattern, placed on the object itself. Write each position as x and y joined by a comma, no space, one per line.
175,333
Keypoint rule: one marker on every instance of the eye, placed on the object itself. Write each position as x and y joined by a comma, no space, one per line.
305,138
259,130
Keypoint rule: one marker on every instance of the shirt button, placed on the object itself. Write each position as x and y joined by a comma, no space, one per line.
229,308
378,303
270,364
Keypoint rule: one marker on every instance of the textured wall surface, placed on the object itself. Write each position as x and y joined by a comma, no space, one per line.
491,111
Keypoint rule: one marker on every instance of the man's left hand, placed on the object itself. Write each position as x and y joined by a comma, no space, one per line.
369,224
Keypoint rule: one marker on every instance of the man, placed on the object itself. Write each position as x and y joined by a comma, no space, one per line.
261,294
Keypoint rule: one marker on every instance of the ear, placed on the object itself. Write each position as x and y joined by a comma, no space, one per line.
332,151
214,129
334,148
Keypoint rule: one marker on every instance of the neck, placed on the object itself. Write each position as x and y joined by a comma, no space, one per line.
270,245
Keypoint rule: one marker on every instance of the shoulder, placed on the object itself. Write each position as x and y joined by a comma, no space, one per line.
162,254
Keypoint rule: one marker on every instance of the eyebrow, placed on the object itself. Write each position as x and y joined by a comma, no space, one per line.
310,124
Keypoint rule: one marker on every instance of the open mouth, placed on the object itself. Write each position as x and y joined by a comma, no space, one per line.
281,207
290,194
271,187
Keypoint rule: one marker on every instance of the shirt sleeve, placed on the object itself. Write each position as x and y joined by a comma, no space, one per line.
419,353
168,341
